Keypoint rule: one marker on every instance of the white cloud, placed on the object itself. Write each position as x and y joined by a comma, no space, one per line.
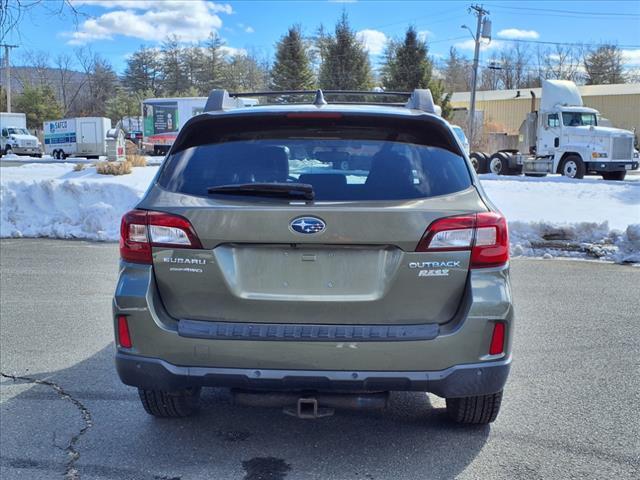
517,34
423,35
190,20
246,28
484,46
631,57
374,41
231,51
149,4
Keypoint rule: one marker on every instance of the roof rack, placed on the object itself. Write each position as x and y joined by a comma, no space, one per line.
419,99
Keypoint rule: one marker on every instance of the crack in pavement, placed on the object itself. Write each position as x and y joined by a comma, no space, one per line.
71,473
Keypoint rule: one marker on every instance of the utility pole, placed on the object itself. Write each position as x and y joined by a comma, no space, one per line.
7,72
483,30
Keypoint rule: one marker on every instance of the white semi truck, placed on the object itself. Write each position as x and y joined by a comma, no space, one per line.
562,137
15,138
76,137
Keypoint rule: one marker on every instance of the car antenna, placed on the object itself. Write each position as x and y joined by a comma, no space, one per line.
319,101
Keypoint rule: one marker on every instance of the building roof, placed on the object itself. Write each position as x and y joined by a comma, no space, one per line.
523,93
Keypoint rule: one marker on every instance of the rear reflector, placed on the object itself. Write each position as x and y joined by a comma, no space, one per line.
485,234
497,339
140,230
124,338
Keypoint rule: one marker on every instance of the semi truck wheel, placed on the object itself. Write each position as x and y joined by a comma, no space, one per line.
573,167
499,164
479,161
614,175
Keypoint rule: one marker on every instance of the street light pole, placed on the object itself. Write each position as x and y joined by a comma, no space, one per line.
480,13
7,72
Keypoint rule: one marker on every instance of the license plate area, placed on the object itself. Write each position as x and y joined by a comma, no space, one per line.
322,273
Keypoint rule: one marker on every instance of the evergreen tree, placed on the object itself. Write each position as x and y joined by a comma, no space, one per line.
345,62
123,104
211,74
604,65
407,67
292,68
142,71
407,64
174,78
39,103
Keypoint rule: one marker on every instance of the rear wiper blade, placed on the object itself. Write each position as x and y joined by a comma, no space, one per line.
284,190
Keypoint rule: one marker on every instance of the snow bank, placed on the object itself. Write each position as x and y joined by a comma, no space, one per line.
557,216
54,201
552,216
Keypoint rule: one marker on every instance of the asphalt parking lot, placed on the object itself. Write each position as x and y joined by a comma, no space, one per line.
570,408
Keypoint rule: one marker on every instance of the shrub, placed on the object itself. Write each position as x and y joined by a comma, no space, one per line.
78,167
137,160
113,168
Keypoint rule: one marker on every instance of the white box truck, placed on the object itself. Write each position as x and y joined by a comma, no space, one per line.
15,138
164,117
563,137
76,137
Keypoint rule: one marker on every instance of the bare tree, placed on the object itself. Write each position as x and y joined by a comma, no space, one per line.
12,12
457,72
563,62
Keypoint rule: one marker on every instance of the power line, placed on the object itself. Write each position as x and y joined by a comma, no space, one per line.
569,12
567,43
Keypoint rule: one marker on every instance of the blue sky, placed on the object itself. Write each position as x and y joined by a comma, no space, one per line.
115,28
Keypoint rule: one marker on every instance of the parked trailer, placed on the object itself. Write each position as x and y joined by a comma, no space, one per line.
15,138
563,137
164,117
76,137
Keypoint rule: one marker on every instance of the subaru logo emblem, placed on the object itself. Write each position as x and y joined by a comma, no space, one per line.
307,225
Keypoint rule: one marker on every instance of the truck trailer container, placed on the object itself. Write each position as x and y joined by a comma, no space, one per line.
76,137
164,117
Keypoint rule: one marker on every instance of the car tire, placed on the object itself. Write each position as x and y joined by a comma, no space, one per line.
478,410
8,150
573,167
619,176
162,404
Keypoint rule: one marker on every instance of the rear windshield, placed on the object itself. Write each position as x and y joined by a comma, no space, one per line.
339,165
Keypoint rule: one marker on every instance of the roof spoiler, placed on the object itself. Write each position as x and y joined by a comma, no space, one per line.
420,99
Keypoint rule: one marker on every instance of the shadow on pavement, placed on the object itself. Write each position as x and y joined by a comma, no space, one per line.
411,438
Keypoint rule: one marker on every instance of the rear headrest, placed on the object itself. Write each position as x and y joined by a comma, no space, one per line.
269,164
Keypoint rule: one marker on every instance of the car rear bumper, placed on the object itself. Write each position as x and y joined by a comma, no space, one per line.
457,381
169,353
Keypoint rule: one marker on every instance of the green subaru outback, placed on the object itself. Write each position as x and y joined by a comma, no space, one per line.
318,255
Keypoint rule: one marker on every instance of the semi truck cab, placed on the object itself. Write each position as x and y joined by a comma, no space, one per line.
565,137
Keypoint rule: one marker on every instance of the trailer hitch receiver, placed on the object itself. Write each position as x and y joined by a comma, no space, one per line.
308,408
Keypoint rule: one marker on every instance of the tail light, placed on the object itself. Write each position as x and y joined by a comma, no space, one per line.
497,339
140,230
485,234
124,337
